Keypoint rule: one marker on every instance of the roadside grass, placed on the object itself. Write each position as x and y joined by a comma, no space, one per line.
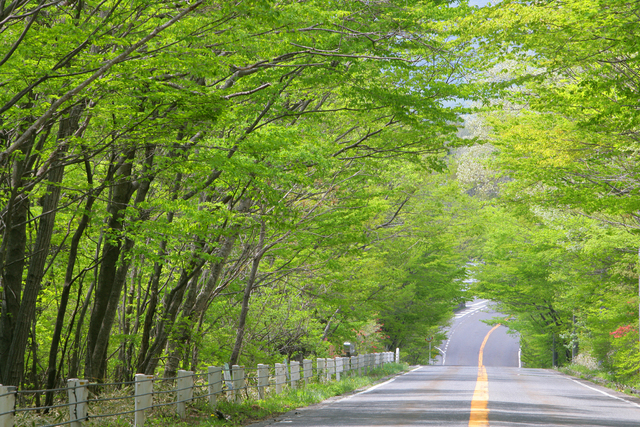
253,410
602,377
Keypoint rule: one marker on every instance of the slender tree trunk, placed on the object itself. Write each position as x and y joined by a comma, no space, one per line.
171,307
15,359
153,297
244,311
64,298
101,343
112,248
176,348
13,255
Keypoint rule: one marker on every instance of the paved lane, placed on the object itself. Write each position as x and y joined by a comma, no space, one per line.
467,333
441,396
540,397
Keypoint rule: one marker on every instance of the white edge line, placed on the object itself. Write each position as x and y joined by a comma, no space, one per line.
377,385
605,393
519,357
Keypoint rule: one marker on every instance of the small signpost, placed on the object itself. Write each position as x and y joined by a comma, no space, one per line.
429,339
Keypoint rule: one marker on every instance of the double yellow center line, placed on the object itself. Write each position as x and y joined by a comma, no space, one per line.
479,413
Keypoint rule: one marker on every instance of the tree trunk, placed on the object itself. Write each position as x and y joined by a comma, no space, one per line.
14,363
121,194
177,346
244,311
171,307
64,298
154,283
103,330
14,242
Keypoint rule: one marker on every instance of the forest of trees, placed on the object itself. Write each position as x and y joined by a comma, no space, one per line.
561,175
198,182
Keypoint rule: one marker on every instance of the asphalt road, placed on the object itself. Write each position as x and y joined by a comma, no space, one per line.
467,333
479,384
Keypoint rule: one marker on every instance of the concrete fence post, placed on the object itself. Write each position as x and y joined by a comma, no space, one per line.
397,355
338,367
263,379
214,378
7,405
321,364
295,374
354,365
238,382
331,368
280,377
307,370
77,392
143,397
184,389
226,375
347,365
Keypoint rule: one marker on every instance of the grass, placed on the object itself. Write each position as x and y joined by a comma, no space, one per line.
602,377
252,410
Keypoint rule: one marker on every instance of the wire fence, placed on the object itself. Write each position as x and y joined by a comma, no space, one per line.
82,403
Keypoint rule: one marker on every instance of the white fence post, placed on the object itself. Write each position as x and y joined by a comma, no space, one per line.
321,364
307,370
338,368
280,377
184,387
397,355
77,392
227,378
238,382
354,365
263,379
295,374
7,405
144,397
214,377
331,368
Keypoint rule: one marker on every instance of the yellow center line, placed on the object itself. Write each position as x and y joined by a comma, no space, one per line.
479,413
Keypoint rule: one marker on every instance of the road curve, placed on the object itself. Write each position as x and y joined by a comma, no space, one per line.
467,333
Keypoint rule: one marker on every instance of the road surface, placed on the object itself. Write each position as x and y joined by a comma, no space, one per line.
477,382
466,335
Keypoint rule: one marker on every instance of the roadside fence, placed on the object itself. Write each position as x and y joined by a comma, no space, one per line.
73,406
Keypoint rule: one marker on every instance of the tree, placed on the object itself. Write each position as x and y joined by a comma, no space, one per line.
143,151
